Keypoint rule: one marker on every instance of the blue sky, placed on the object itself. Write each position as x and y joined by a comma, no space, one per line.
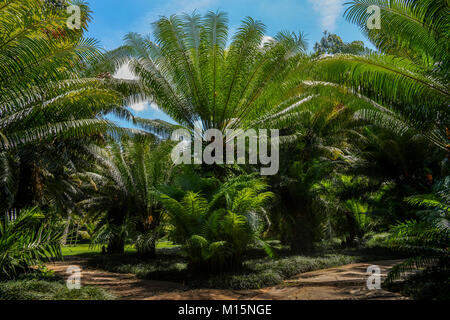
112,19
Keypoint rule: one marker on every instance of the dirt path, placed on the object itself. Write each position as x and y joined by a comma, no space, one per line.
340,283
123,286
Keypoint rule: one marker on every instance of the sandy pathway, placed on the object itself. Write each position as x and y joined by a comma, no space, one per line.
340,283
123,286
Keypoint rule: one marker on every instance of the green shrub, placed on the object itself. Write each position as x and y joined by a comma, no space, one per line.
259,273
427,241
373,240
27,241
216,231
35,289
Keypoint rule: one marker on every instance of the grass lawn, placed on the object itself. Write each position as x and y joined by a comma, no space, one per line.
88,249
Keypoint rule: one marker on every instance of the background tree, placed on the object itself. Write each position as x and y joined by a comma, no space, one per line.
317,139
333,44
409,78
26,242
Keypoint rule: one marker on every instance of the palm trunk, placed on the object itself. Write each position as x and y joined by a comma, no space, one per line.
66,231
302,238
302,226
116,245
76,233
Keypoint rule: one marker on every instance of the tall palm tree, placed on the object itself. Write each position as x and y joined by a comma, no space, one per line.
408,79
122,186
316,140
49,93
192,72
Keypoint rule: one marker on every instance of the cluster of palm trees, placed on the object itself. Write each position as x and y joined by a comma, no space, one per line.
336,114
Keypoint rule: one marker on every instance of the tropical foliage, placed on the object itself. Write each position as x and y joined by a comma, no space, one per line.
201,81
216,230
364,140
409,77
429,238
27,241
122,188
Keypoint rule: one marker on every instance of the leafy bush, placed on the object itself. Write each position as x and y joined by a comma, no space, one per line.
215,234
121,191
428,240
431,284
27,241
373,240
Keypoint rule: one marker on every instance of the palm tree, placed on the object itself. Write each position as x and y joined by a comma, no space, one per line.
121,189
408,79
317,140
49,93
192,72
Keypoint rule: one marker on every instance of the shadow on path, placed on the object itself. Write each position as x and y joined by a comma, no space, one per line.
346,282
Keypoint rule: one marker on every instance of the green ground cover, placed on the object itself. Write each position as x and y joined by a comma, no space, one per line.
89,249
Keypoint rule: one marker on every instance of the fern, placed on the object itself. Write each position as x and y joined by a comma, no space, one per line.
427,240
215,234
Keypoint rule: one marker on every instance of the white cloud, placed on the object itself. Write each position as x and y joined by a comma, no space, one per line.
266,39
139,107
154,106
329,11
144,105
124,73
